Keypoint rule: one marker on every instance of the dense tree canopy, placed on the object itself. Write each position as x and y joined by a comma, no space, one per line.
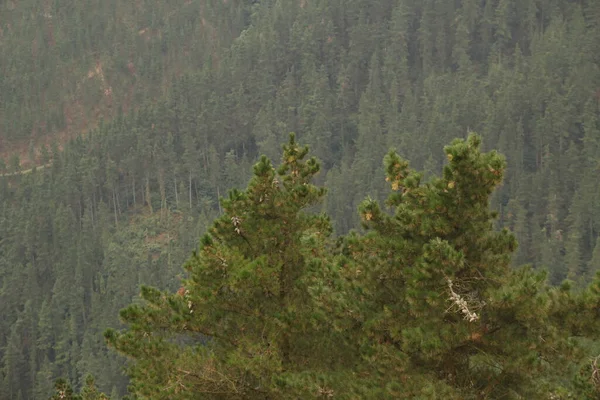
247,323
193,91
424,305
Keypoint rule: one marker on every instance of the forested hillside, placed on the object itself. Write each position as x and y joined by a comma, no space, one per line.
193,91
65,65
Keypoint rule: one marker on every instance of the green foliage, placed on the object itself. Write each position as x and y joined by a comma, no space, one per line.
64,391
250,320
198,89
425,304
88,392
439,299
64,66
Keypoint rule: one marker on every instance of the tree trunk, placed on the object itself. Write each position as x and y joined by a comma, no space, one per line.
148,200
176,194
163,191
118,202
115,208
190,182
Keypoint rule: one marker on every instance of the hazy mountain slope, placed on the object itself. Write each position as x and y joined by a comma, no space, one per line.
65,65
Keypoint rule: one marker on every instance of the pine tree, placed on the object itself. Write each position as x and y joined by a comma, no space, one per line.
90,391
251,320
43,380
444,314
64,391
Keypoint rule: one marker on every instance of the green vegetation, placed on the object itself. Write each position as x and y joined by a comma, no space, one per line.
200,88
64,391
64,66
424,305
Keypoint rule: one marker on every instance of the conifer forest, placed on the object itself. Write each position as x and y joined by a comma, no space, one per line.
299,199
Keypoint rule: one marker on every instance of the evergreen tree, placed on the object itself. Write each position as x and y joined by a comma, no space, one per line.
251,321
64,391
352,77
445,316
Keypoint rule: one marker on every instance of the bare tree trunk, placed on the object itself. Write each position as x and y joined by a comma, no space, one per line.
190,183
196,191
115,208
148,200
176,194
92,215
163,191
134,191
80,212
118,202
